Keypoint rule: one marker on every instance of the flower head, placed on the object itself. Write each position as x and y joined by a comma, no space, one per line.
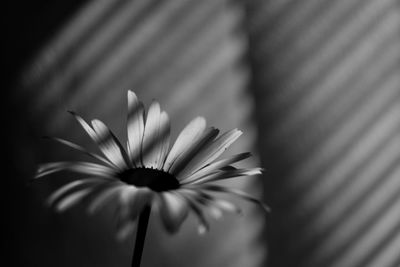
147,172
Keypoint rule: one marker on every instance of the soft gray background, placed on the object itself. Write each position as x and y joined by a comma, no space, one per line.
314,84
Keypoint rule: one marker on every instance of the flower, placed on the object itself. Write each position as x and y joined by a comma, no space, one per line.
175,180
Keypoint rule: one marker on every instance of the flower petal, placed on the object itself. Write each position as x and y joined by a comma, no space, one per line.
133,200
213,210
73,199
135,128
71,187
203,226
125,229
236,192
185,157
151,147
110,145
94,136
82,149
214,167
209,200
101,199
211,152
227,206
82,167
214,206
188,135
174,210
229,172
165,129
89,130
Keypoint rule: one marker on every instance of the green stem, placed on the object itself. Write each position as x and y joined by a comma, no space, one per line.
140,236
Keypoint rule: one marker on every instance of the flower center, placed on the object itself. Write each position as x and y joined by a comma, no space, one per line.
154,179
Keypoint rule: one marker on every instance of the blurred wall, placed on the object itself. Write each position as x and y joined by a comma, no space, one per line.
327,85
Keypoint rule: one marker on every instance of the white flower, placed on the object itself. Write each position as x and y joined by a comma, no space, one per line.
176,180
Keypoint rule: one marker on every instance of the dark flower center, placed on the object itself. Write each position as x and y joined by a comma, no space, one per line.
154,179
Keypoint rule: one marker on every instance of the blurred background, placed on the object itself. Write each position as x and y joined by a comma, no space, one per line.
314,85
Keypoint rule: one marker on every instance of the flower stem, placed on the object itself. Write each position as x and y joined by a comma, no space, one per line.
140,236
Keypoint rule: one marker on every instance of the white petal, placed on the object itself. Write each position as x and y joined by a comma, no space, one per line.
227,206
133,200
110,145
151,147
210,201
225,174
165,130
88,168
89,130
71,187
72,199
182,161
174,210
211,152
205,200
215,212
135,128
125,230
104,197
239,193
203,225
62,190
82,149
189,134
213,167
98,139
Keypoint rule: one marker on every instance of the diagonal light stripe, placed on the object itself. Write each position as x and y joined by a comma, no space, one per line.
373,209
389,255
78,28
85,56
329,85
335,45
123,50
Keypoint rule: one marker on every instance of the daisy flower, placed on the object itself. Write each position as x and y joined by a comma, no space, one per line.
148,172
